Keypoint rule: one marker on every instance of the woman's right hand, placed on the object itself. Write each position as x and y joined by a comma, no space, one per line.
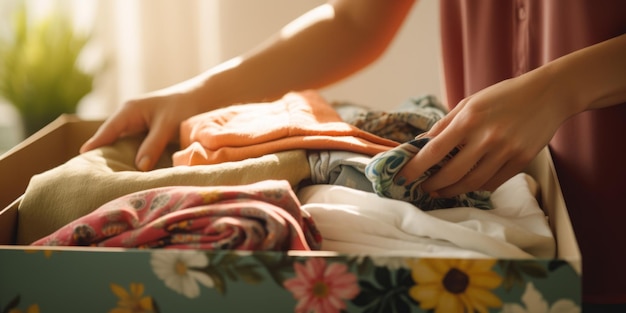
158,114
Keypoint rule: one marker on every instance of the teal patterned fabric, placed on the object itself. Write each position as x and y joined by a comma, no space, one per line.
384,167
413,117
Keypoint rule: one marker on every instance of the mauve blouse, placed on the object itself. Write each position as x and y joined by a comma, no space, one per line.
487,41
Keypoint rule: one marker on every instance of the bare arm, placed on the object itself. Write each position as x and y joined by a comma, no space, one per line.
596,75
323,46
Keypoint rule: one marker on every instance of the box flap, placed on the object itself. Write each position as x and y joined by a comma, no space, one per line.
63,138
65,135
543,170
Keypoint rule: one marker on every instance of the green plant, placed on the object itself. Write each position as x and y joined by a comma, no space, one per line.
39,73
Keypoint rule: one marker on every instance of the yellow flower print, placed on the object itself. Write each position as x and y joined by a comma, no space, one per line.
455,285
133,301
33,308
211,196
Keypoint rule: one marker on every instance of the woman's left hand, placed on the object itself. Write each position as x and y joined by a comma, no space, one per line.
498,130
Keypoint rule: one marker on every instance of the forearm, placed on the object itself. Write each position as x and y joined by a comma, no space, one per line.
318,49
593,77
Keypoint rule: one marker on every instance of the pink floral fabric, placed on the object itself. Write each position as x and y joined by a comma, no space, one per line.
260,216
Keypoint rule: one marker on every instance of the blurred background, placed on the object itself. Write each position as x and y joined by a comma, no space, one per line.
88,56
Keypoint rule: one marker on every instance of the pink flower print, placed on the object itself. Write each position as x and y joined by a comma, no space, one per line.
322,288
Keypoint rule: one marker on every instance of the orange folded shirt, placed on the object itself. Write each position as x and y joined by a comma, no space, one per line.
299,120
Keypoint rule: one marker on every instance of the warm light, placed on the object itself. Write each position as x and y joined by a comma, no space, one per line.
323,12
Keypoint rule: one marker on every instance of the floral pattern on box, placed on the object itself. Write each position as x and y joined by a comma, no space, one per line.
163,280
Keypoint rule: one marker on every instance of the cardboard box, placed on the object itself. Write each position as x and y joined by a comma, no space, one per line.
72,279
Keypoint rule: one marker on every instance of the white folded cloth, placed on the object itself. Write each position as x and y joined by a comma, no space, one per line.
354,221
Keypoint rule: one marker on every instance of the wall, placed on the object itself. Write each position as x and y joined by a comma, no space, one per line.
409,68
148,45
154,44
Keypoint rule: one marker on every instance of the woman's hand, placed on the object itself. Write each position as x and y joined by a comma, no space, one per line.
159,114
502,128
499,130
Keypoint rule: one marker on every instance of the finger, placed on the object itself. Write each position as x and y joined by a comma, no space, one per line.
470,175
106,134
454,170
440,125
432,153
493,170
510,169
468,183
153,146
504,174
419,164
437,127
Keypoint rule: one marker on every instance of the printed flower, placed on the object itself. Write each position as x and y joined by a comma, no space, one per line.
133,301
319,287
454,285
176,268
534,302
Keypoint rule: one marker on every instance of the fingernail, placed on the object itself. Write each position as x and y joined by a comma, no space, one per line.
83,148
420,135
144,164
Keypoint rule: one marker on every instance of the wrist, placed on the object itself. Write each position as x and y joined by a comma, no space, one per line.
207,91
593,77
558,90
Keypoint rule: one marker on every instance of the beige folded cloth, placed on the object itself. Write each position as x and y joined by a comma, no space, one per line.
77,187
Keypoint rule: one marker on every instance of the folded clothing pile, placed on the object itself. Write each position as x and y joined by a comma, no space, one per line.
299,120
301,141
260,216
